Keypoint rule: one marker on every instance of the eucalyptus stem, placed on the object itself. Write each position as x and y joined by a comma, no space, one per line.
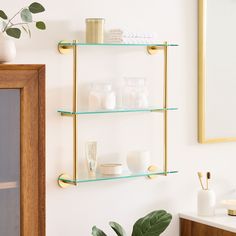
13,28
18,24
9,21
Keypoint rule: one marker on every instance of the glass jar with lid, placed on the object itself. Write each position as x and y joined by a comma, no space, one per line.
102,96
135,93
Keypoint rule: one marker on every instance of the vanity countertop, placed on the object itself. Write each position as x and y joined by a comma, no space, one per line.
221,220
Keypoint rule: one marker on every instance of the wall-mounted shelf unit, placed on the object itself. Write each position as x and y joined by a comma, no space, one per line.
65,180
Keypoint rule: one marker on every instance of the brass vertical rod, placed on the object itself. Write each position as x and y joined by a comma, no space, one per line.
165,106
75,123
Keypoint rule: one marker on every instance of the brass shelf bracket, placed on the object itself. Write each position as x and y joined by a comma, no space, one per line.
62,183
165,105
152,50
64,49
152,168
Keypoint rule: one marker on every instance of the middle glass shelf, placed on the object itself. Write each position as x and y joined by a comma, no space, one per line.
118,110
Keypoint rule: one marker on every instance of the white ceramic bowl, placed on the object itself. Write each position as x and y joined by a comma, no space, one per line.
111,169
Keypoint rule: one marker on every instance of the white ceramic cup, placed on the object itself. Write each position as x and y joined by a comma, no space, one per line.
206,201
138,161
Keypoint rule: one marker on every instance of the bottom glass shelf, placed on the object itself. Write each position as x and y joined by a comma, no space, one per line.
100,177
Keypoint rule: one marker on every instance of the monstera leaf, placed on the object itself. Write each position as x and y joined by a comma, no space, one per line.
97,232
152,224
117,228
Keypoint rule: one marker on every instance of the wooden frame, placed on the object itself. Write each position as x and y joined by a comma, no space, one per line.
30,79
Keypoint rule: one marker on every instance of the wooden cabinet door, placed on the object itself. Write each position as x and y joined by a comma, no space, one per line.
202,230
22,150
192,228
226,233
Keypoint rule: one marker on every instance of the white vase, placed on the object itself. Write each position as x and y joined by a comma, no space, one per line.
7,49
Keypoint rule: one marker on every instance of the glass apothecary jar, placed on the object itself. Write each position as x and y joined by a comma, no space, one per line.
135,93
101,97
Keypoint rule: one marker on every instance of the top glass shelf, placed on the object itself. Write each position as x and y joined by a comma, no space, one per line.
117,44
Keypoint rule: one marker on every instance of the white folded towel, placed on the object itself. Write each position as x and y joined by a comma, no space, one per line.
126,34
132,40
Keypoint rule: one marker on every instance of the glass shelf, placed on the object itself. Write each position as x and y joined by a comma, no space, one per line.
127,175
120,110
117,44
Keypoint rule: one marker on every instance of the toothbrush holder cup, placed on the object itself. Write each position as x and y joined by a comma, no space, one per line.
206,201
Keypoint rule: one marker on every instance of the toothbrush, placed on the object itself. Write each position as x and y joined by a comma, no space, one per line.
200,179
207,179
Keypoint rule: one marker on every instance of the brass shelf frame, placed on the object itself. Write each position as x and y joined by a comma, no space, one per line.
67,48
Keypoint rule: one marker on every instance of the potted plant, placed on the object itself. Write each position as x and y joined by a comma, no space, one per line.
153,224
10,27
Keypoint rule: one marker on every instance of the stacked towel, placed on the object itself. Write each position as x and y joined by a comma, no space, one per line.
122,36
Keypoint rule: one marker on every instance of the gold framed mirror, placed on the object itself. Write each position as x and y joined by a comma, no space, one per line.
216,71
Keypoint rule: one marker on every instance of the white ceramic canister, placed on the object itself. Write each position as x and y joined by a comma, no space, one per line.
7,49
206,201
138,161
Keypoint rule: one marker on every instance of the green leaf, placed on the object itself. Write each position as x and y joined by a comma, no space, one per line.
97,232
117,228
152,224
36,7
41,25
3,15
14,32
26,15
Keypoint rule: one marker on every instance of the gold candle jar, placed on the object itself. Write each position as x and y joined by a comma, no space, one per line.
95,30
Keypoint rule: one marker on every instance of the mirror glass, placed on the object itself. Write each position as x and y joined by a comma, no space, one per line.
217,43
10,162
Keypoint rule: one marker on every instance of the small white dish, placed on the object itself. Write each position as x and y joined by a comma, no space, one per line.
230,205
111,169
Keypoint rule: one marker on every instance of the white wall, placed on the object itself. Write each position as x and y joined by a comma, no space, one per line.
74,211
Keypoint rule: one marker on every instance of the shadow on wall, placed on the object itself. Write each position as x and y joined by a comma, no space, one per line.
46,40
